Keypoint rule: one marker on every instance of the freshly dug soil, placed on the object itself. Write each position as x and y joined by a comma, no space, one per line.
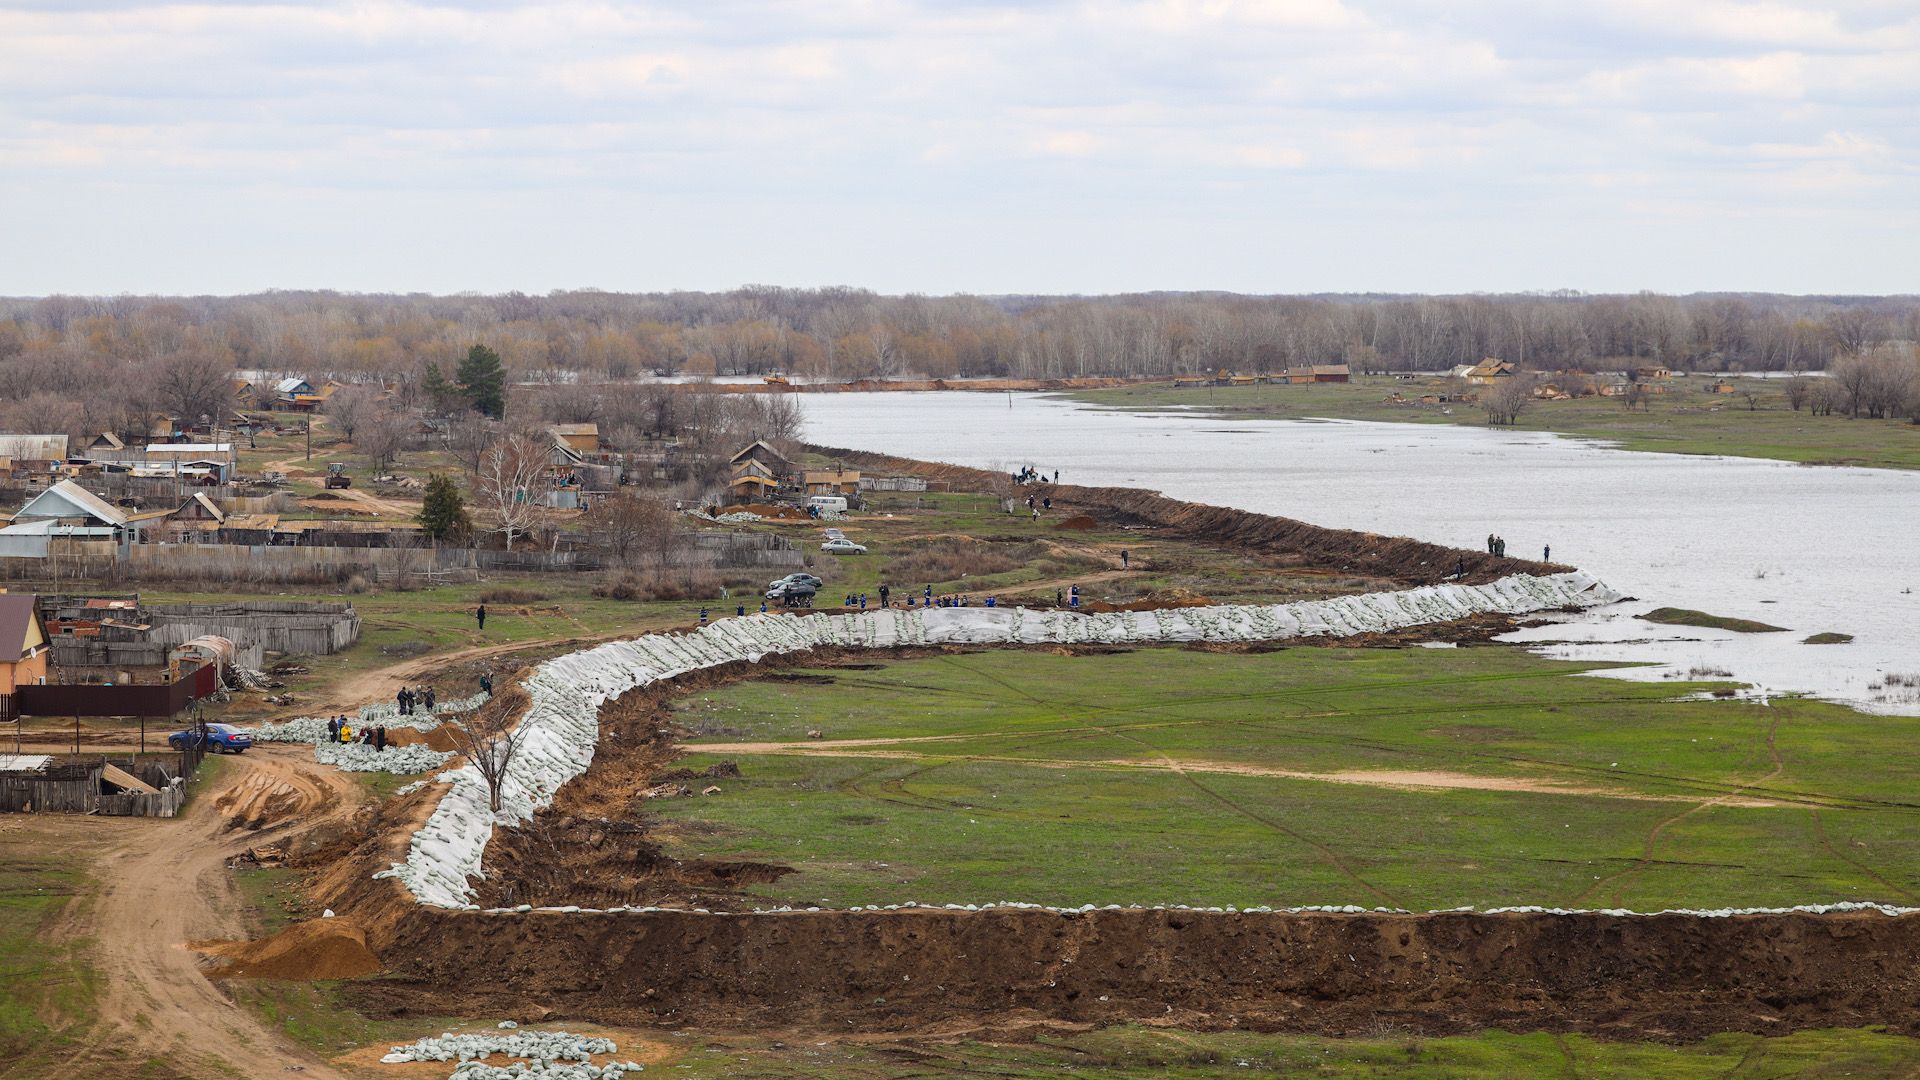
1662,977
333,948
1077,521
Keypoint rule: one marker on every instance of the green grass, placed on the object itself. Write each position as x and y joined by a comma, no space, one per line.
320,1016
1673,616
1686,421
274,896
1827,638
1026,803
46,988
1120,1052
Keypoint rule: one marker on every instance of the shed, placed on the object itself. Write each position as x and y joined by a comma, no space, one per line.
831,481
582,438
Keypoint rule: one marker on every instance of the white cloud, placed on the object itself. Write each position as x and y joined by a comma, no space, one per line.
956,120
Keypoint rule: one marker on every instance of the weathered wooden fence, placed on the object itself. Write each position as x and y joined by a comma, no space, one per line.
81,787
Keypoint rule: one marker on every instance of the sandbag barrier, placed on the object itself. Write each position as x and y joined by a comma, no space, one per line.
560,728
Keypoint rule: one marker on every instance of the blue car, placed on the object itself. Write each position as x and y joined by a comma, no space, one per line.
221,739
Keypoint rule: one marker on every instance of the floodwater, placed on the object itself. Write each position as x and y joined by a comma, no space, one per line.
1813,549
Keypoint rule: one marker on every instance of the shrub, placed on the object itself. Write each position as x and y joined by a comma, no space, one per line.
950,560
672,584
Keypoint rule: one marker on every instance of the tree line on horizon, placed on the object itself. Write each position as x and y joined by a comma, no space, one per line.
852,333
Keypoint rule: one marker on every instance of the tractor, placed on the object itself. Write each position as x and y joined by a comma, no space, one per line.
337,476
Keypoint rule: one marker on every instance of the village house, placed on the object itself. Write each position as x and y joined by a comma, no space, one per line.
23,648
1486,372
752,482
298,395
835,481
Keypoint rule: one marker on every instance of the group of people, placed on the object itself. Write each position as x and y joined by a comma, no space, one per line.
409,699
1038,505
341,730
1031,475
1497,545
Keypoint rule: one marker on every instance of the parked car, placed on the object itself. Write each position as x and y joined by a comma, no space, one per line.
843,546
836,534
221,739
804,579
793,594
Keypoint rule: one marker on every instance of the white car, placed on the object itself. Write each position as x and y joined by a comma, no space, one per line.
836,534
843,546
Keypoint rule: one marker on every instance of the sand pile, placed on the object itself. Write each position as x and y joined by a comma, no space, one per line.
317,949
1078,521
264,799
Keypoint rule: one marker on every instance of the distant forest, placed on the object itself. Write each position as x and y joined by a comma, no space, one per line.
48,343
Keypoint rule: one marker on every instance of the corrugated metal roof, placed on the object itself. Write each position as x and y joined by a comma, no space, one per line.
21,763
189,448
76,498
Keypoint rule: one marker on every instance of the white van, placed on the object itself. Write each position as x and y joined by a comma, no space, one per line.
835,503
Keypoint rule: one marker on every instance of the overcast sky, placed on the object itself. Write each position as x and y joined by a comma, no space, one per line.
1259,146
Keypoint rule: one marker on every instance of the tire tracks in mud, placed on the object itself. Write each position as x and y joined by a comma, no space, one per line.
157,890
1660,828
1328,854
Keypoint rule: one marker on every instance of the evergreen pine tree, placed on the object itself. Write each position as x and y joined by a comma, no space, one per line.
443,511
483,380
441,392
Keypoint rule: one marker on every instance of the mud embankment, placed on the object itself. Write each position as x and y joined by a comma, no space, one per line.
1284,540
1671,977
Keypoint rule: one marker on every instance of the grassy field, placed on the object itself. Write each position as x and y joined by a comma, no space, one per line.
1178,776
1686,421
45,986
1493,1055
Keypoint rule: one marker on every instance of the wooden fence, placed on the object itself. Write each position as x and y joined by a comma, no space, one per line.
81,787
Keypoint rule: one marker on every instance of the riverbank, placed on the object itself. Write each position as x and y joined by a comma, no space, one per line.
1688,419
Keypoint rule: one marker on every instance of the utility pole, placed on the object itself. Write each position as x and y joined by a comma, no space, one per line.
309,428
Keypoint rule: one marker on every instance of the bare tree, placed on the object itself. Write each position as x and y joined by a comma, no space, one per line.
632,529
488,742
194,385
1505,401
383,434
1799,389
510,475
350,407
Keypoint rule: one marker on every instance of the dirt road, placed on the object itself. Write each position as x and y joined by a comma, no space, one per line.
163,884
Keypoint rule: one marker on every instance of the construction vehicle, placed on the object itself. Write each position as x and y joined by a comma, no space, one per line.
337,476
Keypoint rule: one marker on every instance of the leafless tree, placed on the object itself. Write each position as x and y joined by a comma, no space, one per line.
350,407
488,742
384,433
1798,389
511,475
1506,400
193,385
632,529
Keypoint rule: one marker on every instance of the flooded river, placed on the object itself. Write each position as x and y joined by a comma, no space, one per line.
1810,549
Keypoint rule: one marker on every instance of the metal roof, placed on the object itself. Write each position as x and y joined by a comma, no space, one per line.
79,503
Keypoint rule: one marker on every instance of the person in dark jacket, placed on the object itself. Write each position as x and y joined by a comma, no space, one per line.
379,738
480,616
